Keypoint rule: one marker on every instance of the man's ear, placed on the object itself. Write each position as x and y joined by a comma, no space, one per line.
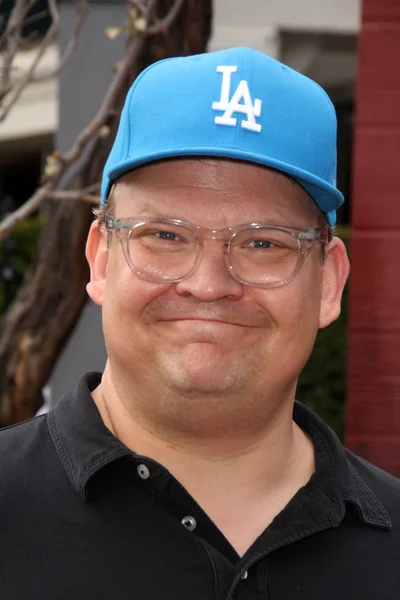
97,257
334,276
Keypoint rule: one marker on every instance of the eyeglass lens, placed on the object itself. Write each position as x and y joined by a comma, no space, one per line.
167,252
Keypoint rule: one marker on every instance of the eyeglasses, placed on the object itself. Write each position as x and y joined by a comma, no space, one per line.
255,254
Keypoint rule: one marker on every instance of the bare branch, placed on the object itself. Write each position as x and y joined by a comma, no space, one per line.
74,196
36,17
107,109
23,212
107,105
165,23
110,98
81,14
89,194
17,20
81,142
92,189
16,42
15,93
11,38
139,4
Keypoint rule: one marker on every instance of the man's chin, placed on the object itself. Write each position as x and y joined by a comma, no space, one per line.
197,387
206,375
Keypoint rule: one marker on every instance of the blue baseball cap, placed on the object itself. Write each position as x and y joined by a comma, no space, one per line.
239,104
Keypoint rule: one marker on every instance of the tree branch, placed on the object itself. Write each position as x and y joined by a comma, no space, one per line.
16,43
11,38
140,5
165,23
23,212
14,94
83,195
62,162
17,19
81,14
65,160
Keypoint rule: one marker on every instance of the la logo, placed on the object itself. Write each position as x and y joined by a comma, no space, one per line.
240,102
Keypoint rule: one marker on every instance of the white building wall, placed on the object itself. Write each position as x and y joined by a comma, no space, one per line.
36,112
244,23
335,16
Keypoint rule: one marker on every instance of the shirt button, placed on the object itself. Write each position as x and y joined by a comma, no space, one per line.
189,523
245,575
143,471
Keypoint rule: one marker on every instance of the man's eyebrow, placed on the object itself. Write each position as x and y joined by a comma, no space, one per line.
148,211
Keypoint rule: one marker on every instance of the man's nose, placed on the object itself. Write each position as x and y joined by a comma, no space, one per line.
211,280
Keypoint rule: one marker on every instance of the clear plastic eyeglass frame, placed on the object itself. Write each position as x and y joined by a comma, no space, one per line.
305,238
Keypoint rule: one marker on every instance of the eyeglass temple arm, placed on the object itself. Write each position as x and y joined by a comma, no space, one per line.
312,235
113,224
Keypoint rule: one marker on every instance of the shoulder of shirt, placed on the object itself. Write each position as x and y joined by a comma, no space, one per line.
372,474
28,457
25,449
384,486
13,433
21,456
17,442
29,465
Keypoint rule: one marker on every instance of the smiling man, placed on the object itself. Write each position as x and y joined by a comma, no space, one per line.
186,470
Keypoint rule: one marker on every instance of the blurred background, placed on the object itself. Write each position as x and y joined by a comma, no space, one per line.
50,333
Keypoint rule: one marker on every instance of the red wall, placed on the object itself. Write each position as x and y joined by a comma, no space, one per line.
373,400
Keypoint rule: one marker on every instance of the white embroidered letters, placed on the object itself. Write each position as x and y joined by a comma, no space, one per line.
240,102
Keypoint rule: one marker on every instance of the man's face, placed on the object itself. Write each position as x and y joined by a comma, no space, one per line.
209,334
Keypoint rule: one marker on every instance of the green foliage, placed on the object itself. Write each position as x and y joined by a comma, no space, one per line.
25,239
18,258
322,384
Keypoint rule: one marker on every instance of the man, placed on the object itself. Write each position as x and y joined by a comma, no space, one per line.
186,470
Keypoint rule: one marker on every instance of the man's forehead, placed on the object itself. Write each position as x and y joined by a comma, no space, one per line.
168,191
203,171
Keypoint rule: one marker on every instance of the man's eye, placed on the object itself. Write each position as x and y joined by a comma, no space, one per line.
261,244
167,235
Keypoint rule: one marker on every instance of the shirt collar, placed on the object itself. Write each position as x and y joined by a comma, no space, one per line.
83,442
335,481
85,446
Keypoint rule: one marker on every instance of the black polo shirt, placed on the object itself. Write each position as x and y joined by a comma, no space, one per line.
83,517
